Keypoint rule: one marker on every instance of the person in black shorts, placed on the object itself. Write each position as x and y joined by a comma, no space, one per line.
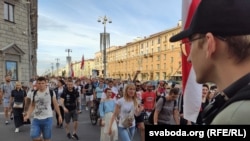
70,104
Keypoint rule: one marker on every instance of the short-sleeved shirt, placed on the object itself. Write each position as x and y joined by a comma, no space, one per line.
43,101
99,92
89,89
18,95
70,99
7,88
148,100
166,114
126,107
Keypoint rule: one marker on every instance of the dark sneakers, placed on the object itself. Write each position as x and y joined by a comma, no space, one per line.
69,135
74,136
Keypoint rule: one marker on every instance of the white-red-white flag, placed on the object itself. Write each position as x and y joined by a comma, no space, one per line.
82,63
72,74
191,89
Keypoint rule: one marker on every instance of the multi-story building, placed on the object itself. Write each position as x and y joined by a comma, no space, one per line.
154,56
18,41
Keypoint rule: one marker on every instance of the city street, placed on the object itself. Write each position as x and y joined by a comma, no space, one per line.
86,131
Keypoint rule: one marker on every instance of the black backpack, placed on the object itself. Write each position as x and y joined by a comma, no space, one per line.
51,94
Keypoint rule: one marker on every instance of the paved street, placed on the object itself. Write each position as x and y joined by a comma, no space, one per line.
86,132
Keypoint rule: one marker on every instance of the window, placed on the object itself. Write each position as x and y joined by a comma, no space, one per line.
172,59
159,49
165,57
9,12
172,47
158,57
166,38
159,40
164,75
158,66
141,46
165,66
157,76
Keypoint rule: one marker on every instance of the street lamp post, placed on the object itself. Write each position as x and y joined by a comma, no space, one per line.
104,20
68,60
57,66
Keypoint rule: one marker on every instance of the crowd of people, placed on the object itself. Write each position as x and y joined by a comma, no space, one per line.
124,106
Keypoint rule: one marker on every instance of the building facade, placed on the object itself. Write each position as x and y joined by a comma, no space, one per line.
18,41
155,57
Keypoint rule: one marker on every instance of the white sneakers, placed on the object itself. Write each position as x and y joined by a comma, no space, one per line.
87,108
16,130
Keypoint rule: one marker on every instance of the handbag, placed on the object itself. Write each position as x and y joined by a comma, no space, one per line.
128,121
18,105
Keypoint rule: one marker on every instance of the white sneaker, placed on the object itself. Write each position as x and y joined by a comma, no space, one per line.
6,122
16,130
87,108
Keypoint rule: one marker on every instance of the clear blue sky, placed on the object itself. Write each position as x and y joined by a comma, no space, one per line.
72,24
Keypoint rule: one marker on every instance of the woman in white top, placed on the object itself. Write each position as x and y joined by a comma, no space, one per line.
126,107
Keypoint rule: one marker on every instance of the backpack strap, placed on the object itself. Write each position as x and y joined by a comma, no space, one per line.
34,94
164,101
50,91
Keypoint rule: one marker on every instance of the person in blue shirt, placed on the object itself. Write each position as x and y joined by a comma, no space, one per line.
106,109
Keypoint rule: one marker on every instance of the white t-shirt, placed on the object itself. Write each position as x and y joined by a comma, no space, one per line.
126,107
43,108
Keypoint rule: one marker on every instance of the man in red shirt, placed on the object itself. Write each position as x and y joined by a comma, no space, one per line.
148,98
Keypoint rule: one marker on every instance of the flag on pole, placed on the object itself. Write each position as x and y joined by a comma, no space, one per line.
82,63
192,91
71,70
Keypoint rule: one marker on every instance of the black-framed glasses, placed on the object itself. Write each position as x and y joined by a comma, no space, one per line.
188,44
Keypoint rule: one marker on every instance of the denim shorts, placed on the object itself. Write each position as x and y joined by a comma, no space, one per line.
39,126
6,102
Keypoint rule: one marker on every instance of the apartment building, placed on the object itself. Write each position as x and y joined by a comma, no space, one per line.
154,56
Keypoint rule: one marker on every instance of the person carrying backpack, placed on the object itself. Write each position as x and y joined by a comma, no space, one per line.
166,112
70,103
43,115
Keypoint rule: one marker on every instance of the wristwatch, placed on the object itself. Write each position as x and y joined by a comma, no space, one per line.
155,123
